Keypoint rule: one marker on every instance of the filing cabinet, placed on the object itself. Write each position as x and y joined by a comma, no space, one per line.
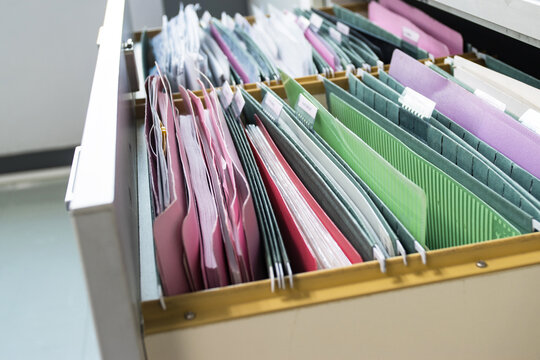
473,301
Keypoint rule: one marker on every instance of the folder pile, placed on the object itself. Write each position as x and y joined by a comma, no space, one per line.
248,185
301,43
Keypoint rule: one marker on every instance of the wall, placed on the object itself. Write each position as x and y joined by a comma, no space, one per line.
48,57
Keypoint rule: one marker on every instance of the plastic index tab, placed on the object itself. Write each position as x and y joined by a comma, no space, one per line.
410,34
336,35
239,103
272,106
490,99
303,23
307,107
342,28
316,21
226,95
416,103
531,119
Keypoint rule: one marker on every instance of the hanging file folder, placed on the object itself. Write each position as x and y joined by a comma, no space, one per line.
526,180
404,199
493,186
338,212
494,127
447,200
316,230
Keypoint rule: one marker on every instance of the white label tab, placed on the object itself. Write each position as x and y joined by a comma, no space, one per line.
316,21
205,19
239,102
303,23
410,34
366,67
226,95
490,99
336,35
531,119
431,57
380,65
272,106
342,28
448,61
417,103
308,108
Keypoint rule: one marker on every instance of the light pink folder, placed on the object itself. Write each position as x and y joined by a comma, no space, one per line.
191,232
213,264
451,38
212,164
493,126
225,170
167,225
248,215
405,29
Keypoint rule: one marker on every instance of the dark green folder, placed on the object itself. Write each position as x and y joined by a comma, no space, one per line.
389,220
275,253
480,168
497,190
526,180
455,215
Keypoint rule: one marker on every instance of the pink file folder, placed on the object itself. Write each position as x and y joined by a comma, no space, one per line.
167,225
448,36
213,264
406,30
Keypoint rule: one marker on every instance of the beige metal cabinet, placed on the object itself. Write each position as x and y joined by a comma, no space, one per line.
475,301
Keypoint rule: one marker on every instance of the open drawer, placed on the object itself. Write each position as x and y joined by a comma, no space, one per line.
477,300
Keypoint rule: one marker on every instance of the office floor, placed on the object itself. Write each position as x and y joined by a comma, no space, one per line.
44,310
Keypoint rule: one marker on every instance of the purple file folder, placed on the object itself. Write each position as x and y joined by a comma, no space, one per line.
490,124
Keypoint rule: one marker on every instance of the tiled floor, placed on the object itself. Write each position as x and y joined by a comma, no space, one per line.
44,310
